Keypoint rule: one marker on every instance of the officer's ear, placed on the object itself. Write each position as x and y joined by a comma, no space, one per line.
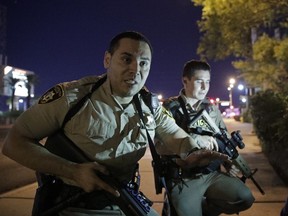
107,59
184,80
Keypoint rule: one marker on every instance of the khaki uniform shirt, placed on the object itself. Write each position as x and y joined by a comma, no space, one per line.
213,111
173,103
105,130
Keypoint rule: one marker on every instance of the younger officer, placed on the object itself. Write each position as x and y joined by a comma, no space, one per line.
202,190
107,128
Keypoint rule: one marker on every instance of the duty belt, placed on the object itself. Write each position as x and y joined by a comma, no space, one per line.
173,171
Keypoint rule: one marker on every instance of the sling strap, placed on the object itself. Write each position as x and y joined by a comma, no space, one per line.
186,115
81,102
157,162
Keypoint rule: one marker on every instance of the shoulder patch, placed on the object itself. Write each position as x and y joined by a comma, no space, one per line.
166,112
172,104
52,94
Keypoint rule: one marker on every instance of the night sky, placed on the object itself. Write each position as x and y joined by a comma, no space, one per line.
63,40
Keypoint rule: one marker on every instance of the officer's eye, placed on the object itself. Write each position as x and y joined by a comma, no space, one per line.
126,59
144,63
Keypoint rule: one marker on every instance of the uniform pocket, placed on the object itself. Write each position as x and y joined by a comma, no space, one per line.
100,130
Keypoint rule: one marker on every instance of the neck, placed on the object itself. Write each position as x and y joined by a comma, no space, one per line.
123,100
192,101
120,99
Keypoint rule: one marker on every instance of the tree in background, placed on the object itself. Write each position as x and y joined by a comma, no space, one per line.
253,31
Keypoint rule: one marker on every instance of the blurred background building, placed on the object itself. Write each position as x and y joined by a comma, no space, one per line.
16,85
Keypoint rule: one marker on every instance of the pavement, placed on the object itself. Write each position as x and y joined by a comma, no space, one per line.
19,202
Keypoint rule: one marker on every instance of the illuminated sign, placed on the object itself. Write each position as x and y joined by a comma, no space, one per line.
15,79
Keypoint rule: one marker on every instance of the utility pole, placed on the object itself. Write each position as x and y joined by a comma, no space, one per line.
3,34
230,88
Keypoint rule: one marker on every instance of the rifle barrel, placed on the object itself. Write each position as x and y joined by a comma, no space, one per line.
257,185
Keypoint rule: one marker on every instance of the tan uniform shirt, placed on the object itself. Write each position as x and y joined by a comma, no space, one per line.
213,112
105,130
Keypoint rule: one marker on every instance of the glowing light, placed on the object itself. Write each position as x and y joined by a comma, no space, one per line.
225,103
7,69
244,100
232,81
240,87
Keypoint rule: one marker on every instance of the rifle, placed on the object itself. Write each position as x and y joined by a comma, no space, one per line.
131,201
203,124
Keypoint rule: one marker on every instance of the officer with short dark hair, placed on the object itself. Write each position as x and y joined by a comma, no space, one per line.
201,190
107,128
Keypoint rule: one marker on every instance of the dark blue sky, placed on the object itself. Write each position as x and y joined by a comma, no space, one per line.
63,40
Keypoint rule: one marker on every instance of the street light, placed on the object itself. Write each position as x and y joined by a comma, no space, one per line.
231,85
244,98
241,87
160,98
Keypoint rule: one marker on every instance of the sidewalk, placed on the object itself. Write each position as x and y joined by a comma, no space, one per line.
19,202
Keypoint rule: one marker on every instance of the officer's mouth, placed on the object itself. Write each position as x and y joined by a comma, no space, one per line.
131,82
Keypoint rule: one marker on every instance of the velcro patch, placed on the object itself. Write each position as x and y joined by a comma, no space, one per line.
51,95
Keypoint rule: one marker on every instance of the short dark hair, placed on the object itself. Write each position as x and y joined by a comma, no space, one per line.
114,43
191,66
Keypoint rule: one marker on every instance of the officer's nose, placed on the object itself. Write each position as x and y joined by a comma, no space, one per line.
134,67
203,86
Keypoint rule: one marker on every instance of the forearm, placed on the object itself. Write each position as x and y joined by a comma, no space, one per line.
180,143
27,152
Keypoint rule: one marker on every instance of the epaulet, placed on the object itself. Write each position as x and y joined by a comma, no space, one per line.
89,83
150,99
85,81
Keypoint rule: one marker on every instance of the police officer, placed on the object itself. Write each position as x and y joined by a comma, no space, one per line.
201,190
107,128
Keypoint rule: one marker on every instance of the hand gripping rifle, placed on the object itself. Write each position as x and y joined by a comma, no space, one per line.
203,124
131,201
